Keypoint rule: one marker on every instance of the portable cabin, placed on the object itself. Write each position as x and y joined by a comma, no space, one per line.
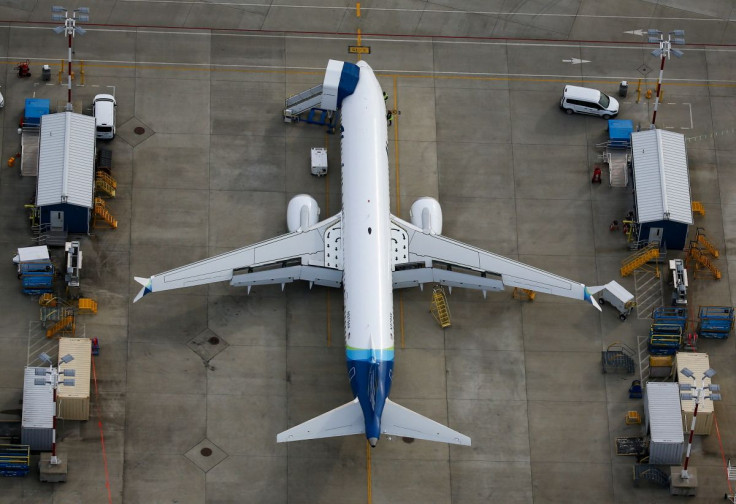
664,423
73,400
66,172
698,363
37,424
661,188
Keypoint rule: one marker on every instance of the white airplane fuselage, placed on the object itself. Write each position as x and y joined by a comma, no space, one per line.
366,235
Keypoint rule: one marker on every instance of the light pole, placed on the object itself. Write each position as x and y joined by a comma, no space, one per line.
698,398
50,376
665,48
70,28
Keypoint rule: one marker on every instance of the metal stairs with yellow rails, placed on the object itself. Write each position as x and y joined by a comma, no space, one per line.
700,261
102,212
439,307
105,184
707,245
65,325
87,305
697,207
640,258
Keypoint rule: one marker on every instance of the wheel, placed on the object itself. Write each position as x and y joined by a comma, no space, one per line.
622,317
606,117
568,111
601,301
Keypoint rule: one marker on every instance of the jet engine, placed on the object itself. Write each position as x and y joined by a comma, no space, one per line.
302,213
426,214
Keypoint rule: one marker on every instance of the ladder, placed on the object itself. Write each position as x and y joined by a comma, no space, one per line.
101,186
101,175
62,325
618,161
702,240
640,258
697,208
439,307
695,255
87,305
102,212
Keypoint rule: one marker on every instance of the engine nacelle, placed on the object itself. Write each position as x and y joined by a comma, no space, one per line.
302,213
426,214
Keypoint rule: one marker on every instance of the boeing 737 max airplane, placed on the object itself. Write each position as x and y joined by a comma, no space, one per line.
368,252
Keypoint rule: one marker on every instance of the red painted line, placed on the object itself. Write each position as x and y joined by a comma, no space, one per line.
723,454
102,434
353,34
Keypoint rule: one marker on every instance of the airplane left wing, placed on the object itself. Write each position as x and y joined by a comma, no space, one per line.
313,255
432,258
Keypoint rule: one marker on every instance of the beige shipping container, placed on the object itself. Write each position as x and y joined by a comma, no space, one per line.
698,363
73,401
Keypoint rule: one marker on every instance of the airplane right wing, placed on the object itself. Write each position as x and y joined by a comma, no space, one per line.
313,255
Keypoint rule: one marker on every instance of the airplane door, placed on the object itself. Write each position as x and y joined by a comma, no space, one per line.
655,234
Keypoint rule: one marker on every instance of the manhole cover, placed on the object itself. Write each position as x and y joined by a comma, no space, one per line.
139,130
644,69
206,452
214,340
407,440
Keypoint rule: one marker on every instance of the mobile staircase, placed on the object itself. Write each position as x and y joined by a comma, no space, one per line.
305,106
700,261
105,185
618,357
701,240
103,214
640,258
439,307
651,472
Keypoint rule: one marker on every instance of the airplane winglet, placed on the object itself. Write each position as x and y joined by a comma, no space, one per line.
587,296
146,283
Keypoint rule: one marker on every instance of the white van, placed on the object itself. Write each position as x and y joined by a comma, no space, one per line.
582,100
103,108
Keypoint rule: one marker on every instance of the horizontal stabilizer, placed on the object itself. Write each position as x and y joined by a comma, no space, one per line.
146,283
341,421
399,421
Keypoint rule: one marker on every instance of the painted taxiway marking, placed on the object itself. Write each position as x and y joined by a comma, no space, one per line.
423,11
575,61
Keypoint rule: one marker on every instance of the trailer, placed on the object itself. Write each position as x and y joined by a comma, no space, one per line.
15,460
715,321
615,295
34,109
35,270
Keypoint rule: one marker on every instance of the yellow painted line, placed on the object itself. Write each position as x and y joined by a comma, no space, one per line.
329,322
368,471
398,193
360,37
357,9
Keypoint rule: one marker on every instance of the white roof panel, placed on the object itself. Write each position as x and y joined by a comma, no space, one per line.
81,350
66,161
663,408
38,401
662,179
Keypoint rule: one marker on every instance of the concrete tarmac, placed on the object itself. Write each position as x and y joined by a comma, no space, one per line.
192,386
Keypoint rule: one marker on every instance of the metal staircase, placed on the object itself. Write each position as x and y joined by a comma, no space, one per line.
618,357
618,162
301,102
697,208
66,324
703,241
640,258
700,261
439,307
650,472
102,212
86,305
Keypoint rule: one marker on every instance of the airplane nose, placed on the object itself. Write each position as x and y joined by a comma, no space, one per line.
373,441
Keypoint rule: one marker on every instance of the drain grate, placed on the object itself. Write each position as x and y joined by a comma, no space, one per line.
139,130
205,452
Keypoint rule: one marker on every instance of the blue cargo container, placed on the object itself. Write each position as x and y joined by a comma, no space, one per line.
35,108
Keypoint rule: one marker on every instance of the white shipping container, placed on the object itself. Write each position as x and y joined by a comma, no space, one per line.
73,400
663,422
698,363
38,411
